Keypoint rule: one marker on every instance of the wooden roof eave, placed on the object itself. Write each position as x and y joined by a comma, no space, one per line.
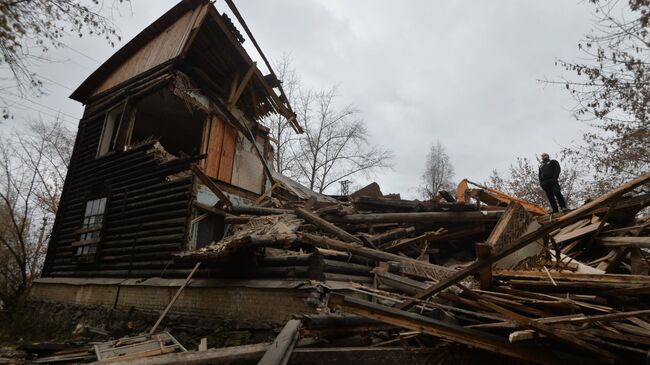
282,108
83,92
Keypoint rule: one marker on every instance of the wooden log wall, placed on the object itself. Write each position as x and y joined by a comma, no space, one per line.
147,219
147,214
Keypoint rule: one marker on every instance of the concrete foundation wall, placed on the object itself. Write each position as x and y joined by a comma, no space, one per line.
239,303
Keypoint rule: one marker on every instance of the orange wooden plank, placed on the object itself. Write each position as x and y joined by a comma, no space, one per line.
227,153
214,148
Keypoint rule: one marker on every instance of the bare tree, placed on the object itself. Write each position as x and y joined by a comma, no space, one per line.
522,181
281,131
33,165
29,28
335,143
612,90
438,172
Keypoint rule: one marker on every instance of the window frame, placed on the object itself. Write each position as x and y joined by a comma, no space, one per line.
86,248
111,130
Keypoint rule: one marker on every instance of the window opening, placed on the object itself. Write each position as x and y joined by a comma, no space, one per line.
165,118
108,140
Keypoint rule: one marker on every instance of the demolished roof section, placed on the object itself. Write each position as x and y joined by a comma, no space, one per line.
193,36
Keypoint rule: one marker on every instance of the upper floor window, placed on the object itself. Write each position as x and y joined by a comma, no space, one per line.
111,130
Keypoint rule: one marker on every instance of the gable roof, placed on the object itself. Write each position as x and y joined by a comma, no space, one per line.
195,32
85,90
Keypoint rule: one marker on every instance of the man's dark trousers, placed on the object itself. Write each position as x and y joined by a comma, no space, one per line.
552,190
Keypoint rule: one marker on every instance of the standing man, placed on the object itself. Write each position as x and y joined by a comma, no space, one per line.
549,173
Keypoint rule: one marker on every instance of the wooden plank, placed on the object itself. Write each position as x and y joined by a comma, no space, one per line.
578,233
214,148
641,242
401,283
242,85
211,185
225,355
531,237
280,350
326,226
171,303
574,277
158,50
438,328
437,236
389,235
415,217
541,327
227,153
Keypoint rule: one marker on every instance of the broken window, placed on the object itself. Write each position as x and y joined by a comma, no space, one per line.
90,231
164,117
110,132
208,224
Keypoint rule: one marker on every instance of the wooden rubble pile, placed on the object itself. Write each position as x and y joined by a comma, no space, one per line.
538,288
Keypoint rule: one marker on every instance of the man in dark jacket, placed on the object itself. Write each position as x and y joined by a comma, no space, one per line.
549,173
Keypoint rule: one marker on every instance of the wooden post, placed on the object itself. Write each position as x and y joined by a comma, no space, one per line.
484,251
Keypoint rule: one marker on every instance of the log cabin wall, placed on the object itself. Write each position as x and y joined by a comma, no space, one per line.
146,215
129,199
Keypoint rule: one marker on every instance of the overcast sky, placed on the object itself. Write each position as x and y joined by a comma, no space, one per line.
464,73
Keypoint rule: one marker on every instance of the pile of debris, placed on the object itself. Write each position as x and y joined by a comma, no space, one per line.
511,280
476,278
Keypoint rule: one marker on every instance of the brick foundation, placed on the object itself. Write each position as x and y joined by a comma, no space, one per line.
266,304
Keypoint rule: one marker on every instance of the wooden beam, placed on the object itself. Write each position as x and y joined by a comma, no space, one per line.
490,216
540,327
390,235
207,181
280,350
483,251
532,237
447,331
232,101
434,271
643,242
327,226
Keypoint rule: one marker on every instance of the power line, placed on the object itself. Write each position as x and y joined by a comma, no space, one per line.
59,116
55,82
43,105
81,53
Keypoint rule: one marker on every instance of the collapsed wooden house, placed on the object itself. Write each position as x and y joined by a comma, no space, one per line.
170,171
170,134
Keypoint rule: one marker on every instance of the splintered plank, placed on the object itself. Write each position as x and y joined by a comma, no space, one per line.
578,233
542,328
435,236
447,331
